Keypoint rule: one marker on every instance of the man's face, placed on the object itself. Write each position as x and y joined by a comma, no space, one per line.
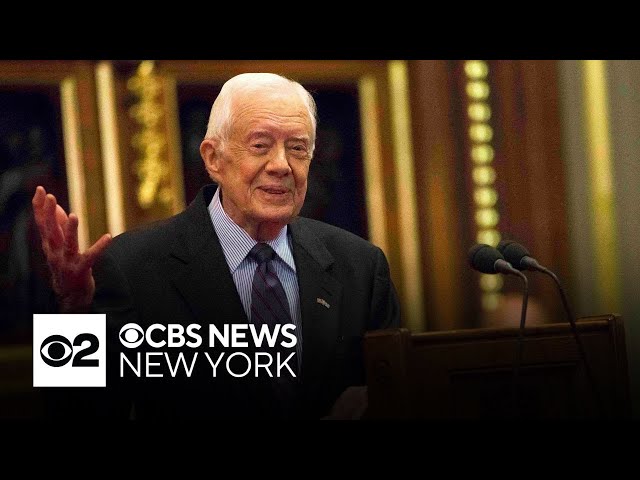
264,165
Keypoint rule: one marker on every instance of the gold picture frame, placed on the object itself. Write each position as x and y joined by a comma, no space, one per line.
75,79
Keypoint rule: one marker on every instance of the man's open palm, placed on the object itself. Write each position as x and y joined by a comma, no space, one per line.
71,271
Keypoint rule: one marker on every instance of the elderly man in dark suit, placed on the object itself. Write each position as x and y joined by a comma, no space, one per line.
238,254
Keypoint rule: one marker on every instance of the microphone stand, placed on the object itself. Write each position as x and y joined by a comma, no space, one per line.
571,318
518,360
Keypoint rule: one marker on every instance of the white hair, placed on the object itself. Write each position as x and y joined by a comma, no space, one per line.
221,117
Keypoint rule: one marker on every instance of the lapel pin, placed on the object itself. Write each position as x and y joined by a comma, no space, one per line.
323,302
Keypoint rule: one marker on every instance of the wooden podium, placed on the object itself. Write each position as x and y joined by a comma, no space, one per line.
469,374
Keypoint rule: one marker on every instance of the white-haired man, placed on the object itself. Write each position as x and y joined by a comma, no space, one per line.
238,254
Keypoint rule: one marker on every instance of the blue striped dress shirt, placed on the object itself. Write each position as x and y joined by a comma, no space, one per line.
236,244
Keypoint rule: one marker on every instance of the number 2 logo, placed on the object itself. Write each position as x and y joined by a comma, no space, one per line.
56,350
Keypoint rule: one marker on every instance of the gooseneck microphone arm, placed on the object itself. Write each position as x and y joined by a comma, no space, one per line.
521,259
487,259
518,361
571,319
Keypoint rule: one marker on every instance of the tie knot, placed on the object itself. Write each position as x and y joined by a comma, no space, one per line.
262,252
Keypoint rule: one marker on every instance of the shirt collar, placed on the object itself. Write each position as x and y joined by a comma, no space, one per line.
237,243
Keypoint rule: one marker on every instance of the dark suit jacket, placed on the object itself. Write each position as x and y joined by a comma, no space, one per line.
174,271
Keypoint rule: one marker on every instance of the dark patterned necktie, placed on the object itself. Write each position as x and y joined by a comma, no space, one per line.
269,303
269,306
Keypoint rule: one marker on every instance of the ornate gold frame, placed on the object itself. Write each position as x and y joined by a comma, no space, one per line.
80,134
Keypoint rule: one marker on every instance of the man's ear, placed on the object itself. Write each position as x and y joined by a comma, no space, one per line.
211,155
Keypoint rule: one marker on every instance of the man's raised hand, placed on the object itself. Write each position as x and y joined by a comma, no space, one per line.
72,278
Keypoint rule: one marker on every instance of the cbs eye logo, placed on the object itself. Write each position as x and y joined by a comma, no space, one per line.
131,335
64,345
56,351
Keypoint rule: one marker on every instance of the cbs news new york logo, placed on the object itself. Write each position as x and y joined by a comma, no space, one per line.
69,350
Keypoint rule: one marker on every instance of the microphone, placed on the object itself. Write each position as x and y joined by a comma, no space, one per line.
521,259
487,259
520,256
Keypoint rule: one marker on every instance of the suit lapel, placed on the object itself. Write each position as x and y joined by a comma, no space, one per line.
320,300
199,271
